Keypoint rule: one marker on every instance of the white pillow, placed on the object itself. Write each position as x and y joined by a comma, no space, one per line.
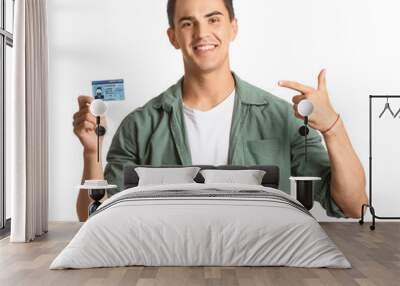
248,177
166,176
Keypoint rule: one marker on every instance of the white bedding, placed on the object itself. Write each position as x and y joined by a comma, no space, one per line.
182,230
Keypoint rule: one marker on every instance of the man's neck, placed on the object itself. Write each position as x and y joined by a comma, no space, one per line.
204,91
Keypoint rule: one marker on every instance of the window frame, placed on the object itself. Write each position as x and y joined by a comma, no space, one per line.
6,39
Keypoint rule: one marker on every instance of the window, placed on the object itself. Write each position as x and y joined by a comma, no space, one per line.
6,44
9,19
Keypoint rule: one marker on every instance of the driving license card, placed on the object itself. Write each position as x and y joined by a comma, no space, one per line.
108,90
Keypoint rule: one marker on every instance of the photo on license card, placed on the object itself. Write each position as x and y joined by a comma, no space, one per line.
108,90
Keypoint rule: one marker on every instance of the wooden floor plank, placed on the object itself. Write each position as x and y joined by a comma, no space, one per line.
374,255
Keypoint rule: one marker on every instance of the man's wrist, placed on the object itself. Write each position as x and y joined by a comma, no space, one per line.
92,169
337,126
90,155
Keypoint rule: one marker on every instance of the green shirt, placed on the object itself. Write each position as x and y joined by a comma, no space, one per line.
264,131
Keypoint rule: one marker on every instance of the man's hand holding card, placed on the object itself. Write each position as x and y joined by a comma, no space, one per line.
84,122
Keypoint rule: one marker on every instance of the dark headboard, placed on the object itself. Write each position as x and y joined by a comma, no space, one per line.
270,179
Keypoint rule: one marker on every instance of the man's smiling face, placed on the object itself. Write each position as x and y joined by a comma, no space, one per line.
203,31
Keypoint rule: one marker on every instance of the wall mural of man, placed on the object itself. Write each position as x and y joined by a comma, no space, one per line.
212,116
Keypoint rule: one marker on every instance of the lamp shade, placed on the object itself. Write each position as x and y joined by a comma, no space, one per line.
98,107
305,107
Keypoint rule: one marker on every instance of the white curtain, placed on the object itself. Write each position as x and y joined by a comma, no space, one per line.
28,157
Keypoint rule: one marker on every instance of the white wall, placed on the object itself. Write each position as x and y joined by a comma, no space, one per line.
357,41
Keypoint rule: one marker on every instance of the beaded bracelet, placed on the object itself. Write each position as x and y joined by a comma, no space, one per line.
334,123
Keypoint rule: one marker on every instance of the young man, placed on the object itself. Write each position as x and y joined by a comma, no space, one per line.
211,116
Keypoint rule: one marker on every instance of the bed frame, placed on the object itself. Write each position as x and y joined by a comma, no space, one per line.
131,178
270,179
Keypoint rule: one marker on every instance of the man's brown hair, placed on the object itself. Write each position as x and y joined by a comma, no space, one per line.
171,10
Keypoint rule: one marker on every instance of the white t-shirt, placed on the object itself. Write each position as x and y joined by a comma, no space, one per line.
208,132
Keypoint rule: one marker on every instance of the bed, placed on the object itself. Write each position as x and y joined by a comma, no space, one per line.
201,224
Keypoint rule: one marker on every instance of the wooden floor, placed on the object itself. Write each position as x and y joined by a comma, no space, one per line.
375,256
